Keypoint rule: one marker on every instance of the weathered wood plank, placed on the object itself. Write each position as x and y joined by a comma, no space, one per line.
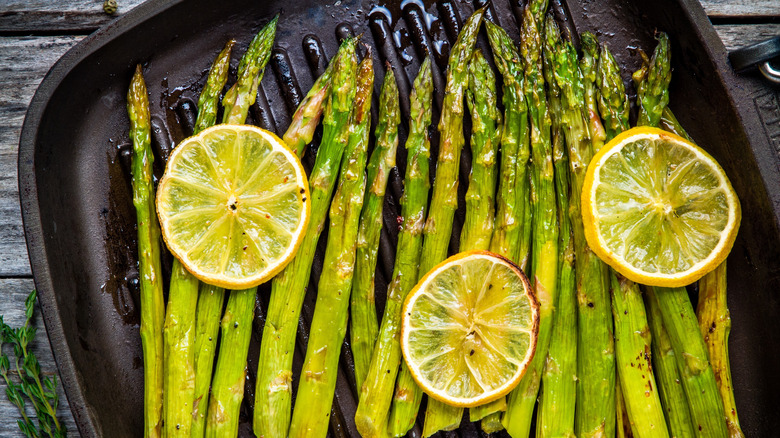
741,9
735,36
23,63
32,16
14,293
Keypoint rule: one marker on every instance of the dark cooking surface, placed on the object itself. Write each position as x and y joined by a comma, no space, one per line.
77,201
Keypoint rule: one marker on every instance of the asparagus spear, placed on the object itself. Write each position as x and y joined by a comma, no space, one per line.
613,102
622,422
377,390
209,309
152,305
208,102
653,90
274,374
555,416
544,258
208,303
588,65
697,377
243,93
632,345
485,136
480,210
673,399
715,325
307,115
438,227
364,324
509,239
329,324
511,236
227,389
178,354
595,407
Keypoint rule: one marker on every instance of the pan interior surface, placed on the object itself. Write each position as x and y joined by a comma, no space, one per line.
77,199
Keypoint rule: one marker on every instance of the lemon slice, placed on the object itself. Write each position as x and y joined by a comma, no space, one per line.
469,329
233,205
658,209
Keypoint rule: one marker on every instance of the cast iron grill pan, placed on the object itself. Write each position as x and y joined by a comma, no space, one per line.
77,199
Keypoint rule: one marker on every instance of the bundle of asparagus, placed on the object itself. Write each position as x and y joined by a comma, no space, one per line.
598,350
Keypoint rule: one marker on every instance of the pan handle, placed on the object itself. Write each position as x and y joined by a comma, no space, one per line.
758,55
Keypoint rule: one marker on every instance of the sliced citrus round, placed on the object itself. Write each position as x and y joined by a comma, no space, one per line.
469,329
658,208
233,205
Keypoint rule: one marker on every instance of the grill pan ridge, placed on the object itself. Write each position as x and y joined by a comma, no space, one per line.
77,202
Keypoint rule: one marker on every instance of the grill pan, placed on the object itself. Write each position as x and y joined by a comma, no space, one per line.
77,204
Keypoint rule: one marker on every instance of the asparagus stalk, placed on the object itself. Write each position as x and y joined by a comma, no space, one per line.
511,236
632,345
595,401
178,354
438,227
364,325
613,102
544,258
673,399
509,239
243,93
274,374
210,299
588,66
715,325
208,102
152,305
329,324
653,90
485,136
227,389
307,115
622,423
697,376
480,210
555,416
376,393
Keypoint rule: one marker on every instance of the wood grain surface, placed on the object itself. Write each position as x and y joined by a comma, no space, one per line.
35,33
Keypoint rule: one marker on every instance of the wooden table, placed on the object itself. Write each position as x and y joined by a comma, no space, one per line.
35,33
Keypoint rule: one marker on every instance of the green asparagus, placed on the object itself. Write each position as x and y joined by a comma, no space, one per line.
555,416
715,325
480,209
653,90
632,347
478,227
588,65
363,320
208,102
673,399
243,93
227,388
595,400
210,299
690,350
613,102
329,324
544,258
150,272
376,393
179,353
438,226
307,115
274,374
